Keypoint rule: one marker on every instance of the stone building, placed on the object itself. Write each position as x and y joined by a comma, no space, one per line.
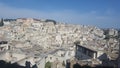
87,54
4,45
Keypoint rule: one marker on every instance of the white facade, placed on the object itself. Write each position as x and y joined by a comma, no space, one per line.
4,47
86,54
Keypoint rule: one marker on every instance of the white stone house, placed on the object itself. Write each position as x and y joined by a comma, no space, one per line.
60,56
4,45
86,54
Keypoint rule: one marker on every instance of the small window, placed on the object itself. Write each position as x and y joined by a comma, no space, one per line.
90,54
50,57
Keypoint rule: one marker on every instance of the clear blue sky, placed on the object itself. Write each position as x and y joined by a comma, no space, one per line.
101,13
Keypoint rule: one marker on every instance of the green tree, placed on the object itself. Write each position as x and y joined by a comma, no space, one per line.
49,20
1,22
63,63
77,42
48,65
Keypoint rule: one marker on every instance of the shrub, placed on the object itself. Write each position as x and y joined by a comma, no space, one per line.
48,65
1,23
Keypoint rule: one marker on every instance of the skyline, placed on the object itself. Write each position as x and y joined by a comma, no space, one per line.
103,14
